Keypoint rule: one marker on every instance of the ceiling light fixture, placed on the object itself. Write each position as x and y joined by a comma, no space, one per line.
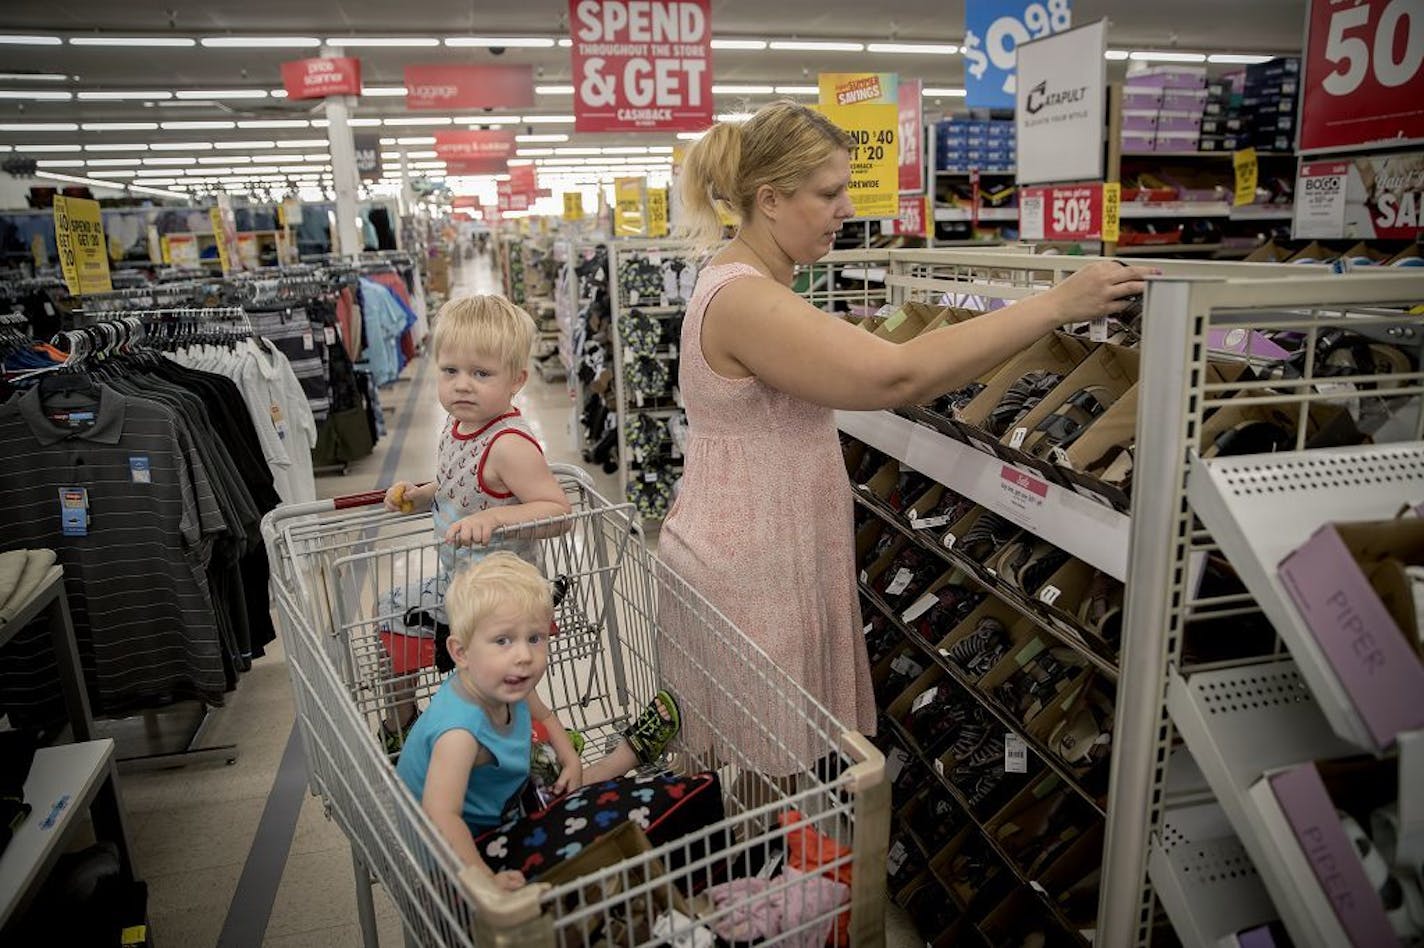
194,126
1116,55
936,93
221,93
112,174
545,120
364,122
738,44
553,90
349,41
11,39
48,148
181,146
33,77
36,95
541,138
116,147
116,96
1238,59
60,163
508,42
155,162
913,49
113,162
578,151
797,90
38,127
418,140
817,46
245,146
131,41
225,160
433,120
157,192
1155,56
533,152
690,136
303,143
119,127
383,90
276,123
733,116
252,42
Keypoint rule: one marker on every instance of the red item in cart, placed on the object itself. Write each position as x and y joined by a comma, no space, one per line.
807,850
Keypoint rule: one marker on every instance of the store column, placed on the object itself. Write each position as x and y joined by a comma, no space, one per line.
347,240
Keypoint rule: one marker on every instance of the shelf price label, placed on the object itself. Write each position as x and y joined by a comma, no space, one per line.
874,156
1364,62
1244,161
1067,212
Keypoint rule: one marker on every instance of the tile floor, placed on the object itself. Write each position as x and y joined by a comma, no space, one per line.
194,828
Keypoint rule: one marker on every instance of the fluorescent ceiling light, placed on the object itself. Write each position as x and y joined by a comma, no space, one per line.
320,123
418,154
1237,59
119,127
660,150
276,123
508,42
113,162
383,90
194,126
553,90
48,148
578,151
241,42
364,122
154,162
541,138
486,119
318,157
382,41
733,116
292,169
810,46
690,136
245,146
1117,55
36,95
303,143
630,150
225,160
33,77
546,120
797,90
221,93
433,120
60,163
131,41
417,140
913,49
737,44
943,93
187,104
1152,56
533,152
114,96
158,192
117,147
181,146
112,174
428,165
11,39
565,42
741,90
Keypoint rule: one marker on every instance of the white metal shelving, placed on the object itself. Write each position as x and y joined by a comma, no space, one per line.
1264,507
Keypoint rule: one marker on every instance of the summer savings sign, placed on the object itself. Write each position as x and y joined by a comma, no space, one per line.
642,65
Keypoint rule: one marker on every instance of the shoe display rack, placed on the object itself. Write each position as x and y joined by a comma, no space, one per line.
583,314
1183,791
650,283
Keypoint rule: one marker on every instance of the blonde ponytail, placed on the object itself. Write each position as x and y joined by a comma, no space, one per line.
711,173
780,146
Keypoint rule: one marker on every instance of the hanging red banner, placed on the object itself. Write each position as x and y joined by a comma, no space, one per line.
474,152
912,135
522,180
1364,66
642,65
469,87
318,78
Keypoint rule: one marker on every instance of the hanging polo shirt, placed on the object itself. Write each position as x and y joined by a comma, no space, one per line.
136,576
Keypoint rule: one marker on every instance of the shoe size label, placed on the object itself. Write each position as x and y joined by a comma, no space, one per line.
1015,754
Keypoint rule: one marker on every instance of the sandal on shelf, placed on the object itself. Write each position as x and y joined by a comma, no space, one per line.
1071,419
1084,736
651,733
1101,610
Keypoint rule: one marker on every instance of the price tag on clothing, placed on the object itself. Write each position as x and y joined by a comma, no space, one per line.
924,699
308,340
329,335
74,511
1015,754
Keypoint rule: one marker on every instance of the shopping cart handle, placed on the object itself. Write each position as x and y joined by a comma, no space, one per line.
363,499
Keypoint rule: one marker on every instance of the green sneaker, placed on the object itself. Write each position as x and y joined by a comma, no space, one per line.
393,740
655,728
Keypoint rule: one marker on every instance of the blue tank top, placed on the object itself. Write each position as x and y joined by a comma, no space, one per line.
493,787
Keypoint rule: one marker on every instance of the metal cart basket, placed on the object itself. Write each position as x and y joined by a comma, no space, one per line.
345,571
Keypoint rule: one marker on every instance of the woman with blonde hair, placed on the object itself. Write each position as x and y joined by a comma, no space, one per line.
762,526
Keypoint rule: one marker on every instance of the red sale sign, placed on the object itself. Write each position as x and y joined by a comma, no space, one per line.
475,152
1073,212
912,136
1363,85
642,65
522,181
912,221
318,78
469,87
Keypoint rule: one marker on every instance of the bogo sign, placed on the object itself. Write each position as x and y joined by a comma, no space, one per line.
469,87
474,152
642,65
318,78
1364,75
1362,197
1074,212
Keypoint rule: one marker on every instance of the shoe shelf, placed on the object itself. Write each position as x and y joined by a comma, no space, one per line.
1205,878
1240,724
1262,508
1084,528
907,741
1002,715
948,214
1247,212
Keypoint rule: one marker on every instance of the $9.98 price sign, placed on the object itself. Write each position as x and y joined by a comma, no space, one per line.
993,31
1074,212
642,65
1364,70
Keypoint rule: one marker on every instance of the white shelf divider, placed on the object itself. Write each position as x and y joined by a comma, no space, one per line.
1091,531
1205,878
1261,508
1240,723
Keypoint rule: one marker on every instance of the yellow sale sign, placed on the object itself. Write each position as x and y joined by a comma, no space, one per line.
859,88
874,156
573,206
630,207
83,251
657,212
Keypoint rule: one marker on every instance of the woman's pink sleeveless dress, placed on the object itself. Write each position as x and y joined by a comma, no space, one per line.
762,528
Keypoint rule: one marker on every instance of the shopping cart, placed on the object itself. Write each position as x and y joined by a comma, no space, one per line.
338,569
